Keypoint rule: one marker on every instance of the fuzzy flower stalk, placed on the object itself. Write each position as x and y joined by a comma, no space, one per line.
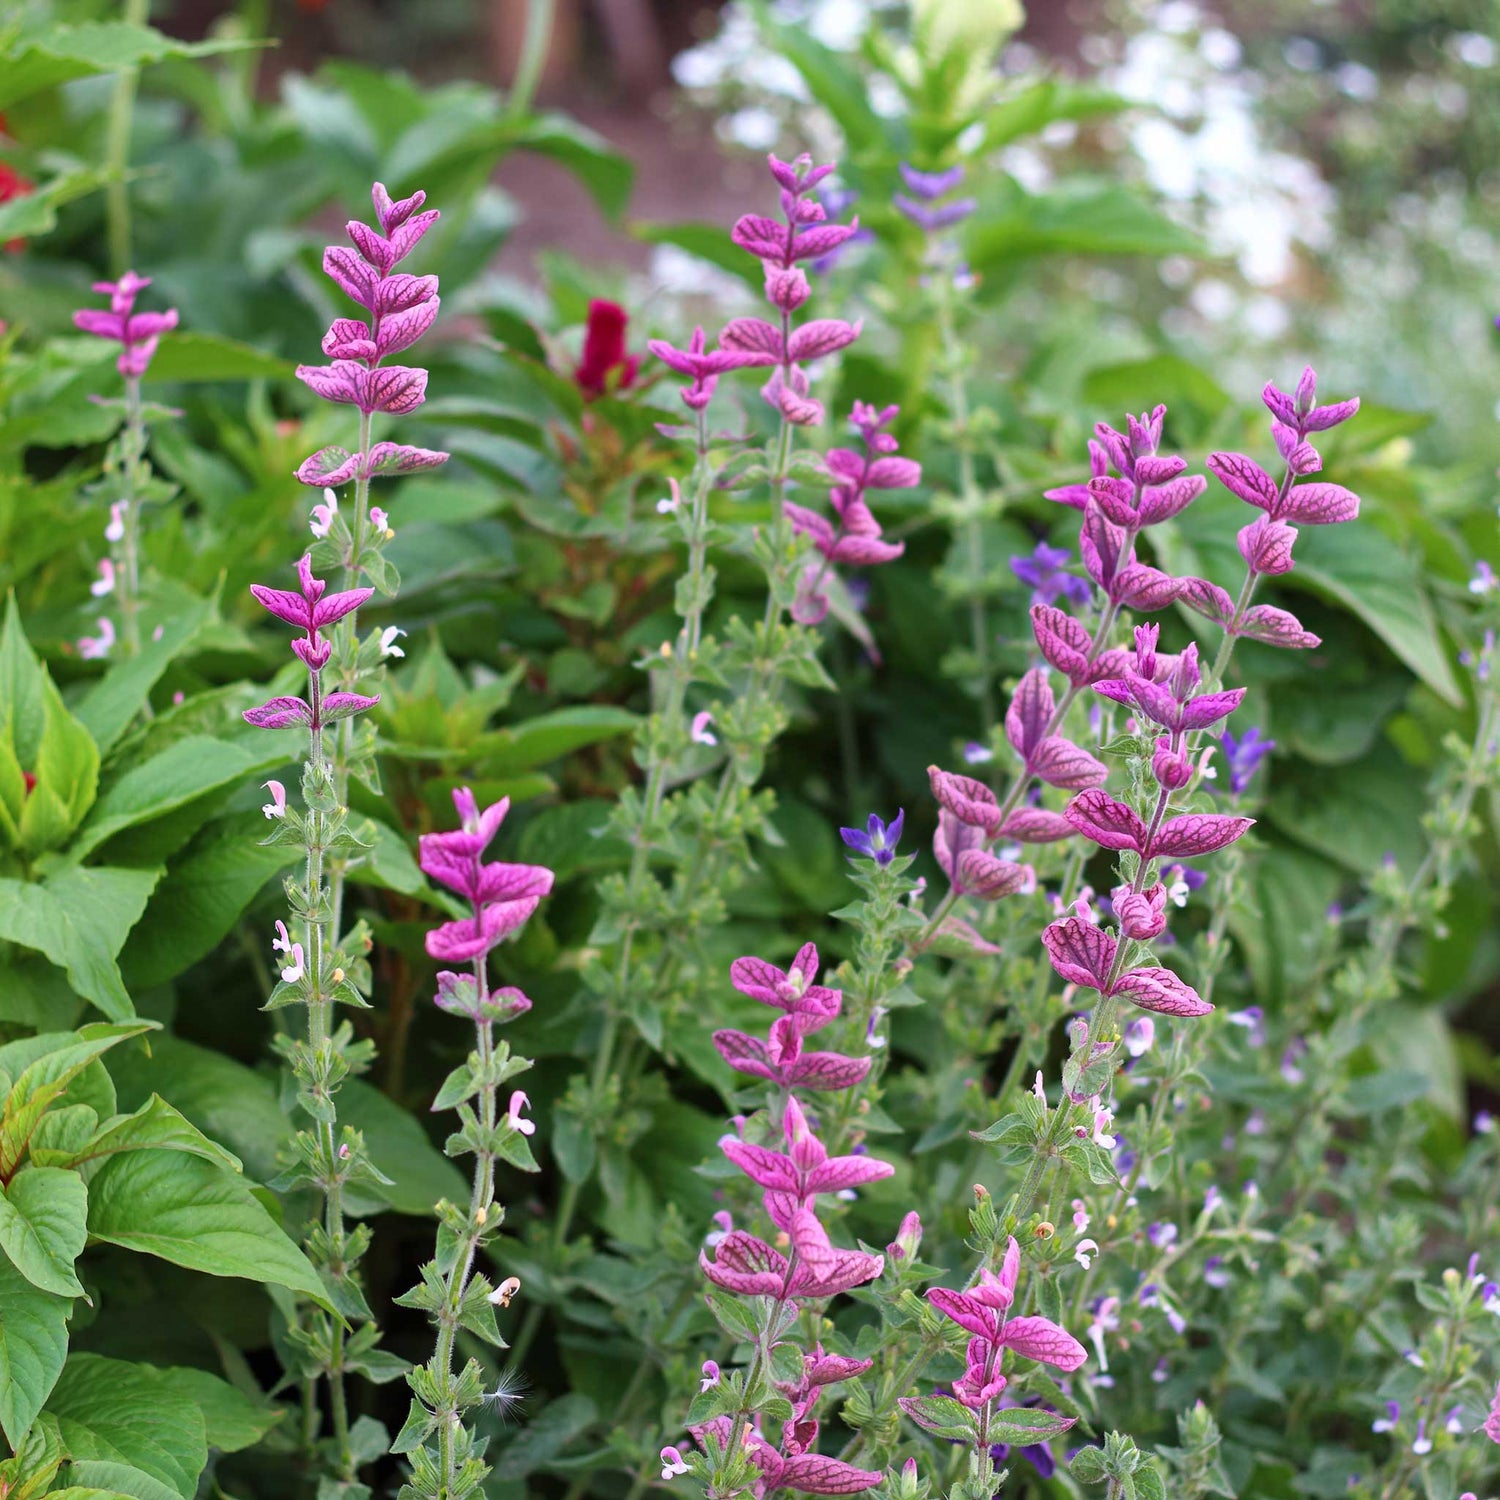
447,1458
128,481
397,309
700,835
740,1449
319,972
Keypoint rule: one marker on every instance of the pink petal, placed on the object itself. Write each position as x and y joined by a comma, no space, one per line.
1110,824
1193,834
1080,952
1041,1339
1244,477
1162,991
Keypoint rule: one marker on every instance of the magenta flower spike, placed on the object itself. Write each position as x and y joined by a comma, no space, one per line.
503,895
1085,954
400,308
138,334
803,234
854,537
983,1310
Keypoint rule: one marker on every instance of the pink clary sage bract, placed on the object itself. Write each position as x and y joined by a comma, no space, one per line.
808,1007
983,1311
312,610
502,895
400,308
137,333
855,537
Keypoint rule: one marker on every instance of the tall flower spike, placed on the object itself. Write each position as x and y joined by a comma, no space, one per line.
400,308
138,334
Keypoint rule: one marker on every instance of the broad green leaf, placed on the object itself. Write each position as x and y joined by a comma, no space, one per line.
1038,104
41,58
192,1213
47,1069
155,1126
33,1346
188,769
116,1416
1360,567
591,159
545,1436
79,918
44,1226
191,357
110,705
203,894
1357,816
550,736
1079,217
1274,920
1138,384
223,1098
831,79
232,1419
35,214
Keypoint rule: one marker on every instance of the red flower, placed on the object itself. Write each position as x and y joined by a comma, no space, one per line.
604,351
13,185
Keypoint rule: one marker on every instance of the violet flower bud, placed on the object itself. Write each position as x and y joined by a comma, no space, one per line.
908,1239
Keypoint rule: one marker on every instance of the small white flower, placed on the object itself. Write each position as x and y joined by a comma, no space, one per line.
276,807
1084,1252
666,507
671,1463
388,646
381,522
105,582
710,1375
115,531
507,1289
1103,1119
701,733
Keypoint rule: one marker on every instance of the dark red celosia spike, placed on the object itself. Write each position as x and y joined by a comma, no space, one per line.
604,349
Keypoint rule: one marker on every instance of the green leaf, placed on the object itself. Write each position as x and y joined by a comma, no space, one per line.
187,1211
1168,378
232,1420
35,214
113,702
115,1416
49,1068
1079,217
402,1150
80,918
597,165
204,893
1360,567
39,735
830,78
188,769
43,58
223,1098
550,736
33,1346
1038,104
1019,1426
44,1226
155,1126
195,357
732,1315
